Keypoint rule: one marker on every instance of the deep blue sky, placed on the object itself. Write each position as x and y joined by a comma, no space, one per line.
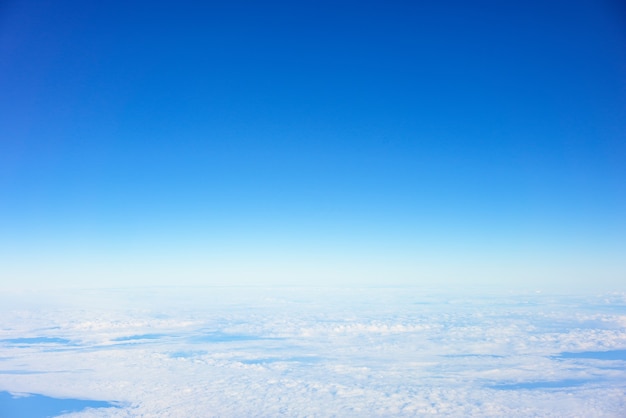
312,142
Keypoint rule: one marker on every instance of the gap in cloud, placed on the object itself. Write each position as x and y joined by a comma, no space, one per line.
554,384
595,355
140,337
472,355
35,340
38,406
297,359
221,337
24,372
187,354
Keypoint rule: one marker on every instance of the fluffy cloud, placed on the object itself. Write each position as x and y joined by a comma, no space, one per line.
317,352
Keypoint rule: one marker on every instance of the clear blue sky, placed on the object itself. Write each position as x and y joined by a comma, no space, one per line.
425,143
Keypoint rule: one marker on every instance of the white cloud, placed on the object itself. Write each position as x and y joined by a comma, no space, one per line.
315,352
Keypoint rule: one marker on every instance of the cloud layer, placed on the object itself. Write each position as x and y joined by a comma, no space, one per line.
318,352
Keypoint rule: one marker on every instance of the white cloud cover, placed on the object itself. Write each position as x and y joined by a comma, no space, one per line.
316,352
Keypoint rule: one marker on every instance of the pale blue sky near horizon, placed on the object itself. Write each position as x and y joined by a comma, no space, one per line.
363,143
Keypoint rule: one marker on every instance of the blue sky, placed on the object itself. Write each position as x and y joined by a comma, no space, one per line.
312,143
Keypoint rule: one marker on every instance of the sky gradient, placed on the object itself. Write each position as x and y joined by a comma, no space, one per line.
306,143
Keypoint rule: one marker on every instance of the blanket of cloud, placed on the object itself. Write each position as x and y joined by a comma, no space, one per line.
228,351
